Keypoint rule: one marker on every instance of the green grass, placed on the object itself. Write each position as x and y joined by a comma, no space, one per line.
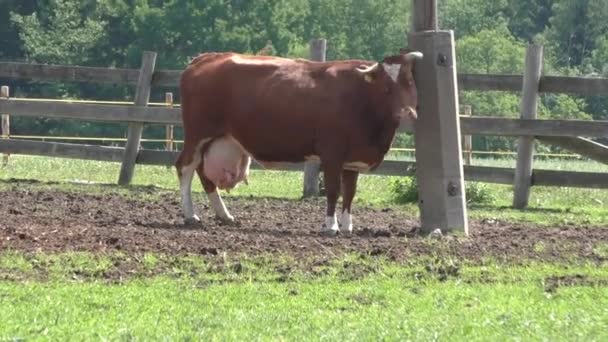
565,164
548,205
387,302
81,296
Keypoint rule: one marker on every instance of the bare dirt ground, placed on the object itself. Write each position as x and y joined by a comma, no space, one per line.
57,221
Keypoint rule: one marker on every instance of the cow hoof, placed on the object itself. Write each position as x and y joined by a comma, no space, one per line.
227,220
191,221
346,232
330,232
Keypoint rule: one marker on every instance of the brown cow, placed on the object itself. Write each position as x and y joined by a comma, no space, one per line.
277,110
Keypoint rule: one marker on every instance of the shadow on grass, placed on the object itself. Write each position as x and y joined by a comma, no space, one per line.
513,210
212,227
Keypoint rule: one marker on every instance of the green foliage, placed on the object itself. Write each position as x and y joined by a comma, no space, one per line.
599,57
405,190
490,51
61,35
528,18
479,193
10,45
561,106
576,27
367,29
403,140
467,17
491,38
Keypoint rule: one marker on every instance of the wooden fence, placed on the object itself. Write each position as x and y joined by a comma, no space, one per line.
569,134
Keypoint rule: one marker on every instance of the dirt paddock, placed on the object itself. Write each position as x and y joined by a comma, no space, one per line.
56,221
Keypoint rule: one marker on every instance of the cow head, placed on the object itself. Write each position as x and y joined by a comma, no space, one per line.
392,87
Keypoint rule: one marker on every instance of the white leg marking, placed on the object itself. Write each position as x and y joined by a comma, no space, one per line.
186,189
331,225
218,206
185,184
347,222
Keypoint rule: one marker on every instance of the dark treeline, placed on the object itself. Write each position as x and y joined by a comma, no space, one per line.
491,38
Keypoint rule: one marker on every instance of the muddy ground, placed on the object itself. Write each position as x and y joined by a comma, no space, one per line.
55,221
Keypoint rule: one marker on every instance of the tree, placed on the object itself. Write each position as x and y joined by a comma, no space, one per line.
562,106
10,44
576,28
599,56
491,39
469,17
490,51
528,18
60,36
365,29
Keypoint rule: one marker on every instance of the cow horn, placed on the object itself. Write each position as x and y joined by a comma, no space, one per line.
369,69
413,56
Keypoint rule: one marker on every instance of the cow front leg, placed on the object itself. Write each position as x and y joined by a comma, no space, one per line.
332,175
186,163
349,188
213,195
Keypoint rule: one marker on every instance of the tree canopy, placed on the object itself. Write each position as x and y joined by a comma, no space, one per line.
491,38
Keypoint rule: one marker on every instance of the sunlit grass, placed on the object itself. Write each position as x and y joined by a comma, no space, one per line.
388,301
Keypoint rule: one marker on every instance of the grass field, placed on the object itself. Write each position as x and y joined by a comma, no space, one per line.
154,296
394,302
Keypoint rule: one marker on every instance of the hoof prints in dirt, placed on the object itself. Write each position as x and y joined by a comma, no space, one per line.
62,221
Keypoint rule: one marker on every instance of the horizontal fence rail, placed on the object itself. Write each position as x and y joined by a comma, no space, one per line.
43,72
532,127
548,84
165,115
94,112
408,150
497,175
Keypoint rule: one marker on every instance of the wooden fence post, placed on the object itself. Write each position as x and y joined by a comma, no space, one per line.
142,96
169,128
467,139
439,169
424,15
529,106
312,169
6,124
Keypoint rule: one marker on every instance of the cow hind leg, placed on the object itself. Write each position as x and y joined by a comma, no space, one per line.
186,163
332,175
349,188
213,195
